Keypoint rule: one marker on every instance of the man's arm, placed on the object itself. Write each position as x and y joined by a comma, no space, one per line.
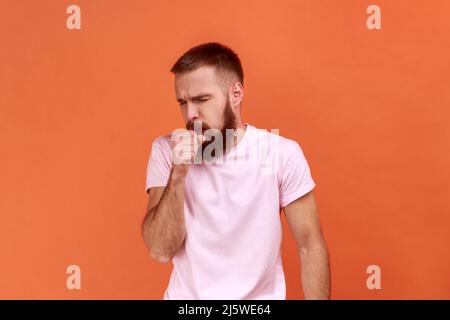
304,223
163,227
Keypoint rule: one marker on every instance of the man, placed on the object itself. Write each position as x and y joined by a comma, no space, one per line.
218,221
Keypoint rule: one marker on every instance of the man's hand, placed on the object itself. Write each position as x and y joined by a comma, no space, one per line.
185,145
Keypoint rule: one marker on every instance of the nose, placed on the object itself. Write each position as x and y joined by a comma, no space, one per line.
192,112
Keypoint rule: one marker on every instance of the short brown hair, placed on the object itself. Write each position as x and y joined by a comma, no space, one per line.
210,54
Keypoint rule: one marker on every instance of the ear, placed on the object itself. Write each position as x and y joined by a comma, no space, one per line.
237,93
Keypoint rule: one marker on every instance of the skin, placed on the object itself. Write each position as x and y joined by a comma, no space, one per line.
202,95
303,221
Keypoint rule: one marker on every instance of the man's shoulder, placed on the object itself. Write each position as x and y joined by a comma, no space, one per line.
162,141
285,145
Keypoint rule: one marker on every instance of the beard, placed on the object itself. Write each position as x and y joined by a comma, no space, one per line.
229,123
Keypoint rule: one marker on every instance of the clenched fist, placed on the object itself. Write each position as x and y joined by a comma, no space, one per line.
185,145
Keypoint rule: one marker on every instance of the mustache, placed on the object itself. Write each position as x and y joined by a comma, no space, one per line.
190,125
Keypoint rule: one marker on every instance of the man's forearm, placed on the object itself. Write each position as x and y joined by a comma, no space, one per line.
315,270
164,227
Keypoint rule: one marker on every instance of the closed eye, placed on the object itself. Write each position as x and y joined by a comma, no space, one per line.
197,99
201,98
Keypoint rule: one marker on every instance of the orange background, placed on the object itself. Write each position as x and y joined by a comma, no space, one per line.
80,108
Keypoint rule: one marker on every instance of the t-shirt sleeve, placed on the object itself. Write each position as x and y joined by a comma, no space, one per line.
295,176
159,164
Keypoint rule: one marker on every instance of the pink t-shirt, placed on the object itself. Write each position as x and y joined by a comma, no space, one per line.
232,248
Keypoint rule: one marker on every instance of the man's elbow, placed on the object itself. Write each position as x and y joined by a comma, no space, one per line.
312,243
162,258
157,255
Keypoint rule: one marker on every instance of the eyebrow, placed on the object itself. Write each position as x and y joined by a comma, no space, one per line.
199,96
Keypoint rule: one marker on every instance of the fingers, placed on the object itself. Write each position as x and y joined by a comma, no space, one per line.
185,144
201,138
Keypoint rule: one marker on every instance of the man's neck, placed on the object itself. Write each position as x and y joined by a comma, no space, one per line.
238,134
